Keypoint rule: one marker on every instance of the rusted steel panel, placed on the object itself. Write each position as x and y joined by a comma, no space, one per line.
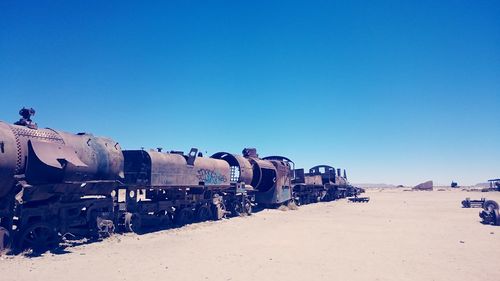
8,158
241,168
265,174
314,180
158,169
50,156
282,191
102,155
326,172
271,177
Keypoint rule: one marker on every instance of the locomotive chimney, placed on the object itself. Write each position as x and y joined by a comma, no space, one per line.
26,118
338,172
250,152
345,174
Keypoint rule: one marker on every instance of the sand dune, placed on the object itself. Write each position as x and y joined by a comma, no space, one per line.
396,236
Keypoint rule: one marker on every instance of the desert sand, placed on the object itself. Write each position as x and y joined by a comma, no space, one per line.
398,235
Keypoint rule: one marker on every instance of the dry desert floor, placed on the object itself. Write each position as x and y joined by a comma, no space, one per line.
398,235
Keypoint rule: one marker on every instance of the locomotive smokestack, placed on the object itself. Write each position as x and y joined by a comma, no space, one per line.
345,174
26,118
338,173
250,152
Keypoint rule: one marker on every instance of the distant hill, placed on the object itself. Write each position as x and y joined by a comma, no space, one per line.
374,185
385,185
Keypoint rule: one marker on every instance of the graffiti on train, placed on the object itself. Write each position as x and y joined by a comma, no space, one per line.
210,177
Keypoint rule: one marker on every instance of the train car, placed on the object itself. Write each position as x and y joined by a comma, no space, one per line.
321,183
269,177
53,182
162,188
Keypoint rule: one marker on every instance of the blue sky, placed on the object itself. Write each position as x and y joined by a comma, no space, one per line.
394,91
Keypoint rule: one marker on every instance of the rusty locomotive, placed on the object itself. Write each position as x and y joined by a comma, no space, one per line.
55,184
322,183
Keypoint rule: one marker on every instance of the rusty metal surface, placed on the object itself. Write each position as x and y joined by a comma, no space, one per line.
158,169
241,168
359,199
468,203
71,177
327,174
265,174
490,213
103,156
314,179
322,183
270,177
8,159
50,156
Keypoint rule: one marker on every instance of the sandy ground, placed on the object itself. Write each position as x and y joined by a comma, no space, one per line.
397,236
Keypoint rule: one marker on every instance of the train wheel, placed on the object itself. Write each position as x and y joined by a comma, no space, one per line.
4,240
105,227
165,220
247,207
496,214
291,205
39,237
133,222
239,209
184,216
490,205
203,213
219,211
298,200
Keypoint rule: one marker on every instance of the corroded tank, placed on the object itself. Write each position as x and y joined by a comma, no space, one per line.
163,170
327,174
270,177
47,156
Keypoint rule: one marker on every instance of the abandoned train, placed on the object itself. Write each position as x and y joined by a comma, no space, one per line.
55,184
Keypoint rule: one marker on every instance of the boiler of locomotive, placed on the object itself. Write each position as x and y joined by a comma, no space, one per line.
157,169
47,156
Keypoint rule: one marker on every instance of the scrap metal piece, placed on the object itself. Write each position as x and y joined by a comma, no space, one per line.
467,203
490,213
359,199
490,205
5,240
494,184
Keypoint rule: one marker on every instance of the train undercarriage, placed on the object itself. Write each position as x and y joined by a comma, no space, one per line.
310,193
141,209
44,224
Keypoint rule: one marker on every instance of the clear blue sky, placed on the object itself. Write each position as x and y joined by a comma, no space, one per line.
395,91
